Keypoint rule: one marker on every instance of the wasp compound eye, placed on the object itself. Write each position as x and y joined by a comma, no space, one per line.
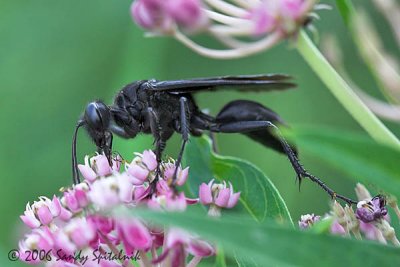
97,116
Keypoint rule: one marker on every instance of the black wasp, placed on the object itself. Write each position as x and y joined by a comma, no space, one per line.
162,108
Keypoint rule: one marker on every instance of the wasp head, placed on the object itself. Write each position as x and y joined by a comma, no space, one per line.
97,119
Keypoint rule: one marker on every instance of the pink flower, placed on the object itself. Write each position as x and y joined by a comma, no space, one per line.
308,220
187,13
282,15
63,243
80,231
140,192
181,175
108,192
29,217
369,230
75,199
86,224
218,194
149,14
65,214
164,15
170,201
138,174
134,235
337,229
104,192
40,239
41,212
263,18
97,167
149,159
178,243
125,188
176,203
200,248
103,224
163,187
293,9
77,234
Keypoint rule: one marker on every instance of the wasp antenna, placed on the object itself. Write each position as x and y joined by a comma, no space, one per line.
75,172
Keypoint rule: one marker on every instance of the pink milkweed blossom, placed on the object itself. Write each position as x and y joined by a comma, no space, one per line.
218,194
82,219
165,15
75,199
40,239
308,220
41,212
181,174
149,159
369,220
179,243
242,27
134,235
110,191
337,229
97,166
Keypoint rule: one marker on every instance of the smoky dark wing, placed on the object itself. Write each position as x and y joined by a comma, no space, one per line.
241,83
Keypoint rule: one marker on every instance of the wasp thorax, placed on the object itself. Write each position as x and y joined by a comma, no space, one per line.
97,115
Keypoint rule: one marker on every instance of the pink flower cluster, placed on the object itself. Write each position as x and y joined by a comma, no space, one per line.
81,220
164,15
285,16
369,220
265,16
242,27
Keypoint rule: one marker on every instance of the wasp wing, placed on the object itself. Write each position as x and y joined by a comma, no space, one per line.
242,83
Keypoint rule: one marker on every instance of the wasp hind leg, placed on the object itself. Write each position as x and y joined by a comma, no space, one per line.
246,127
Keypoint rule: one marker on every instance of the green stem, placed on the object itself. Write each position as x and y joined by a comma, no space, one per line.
342,91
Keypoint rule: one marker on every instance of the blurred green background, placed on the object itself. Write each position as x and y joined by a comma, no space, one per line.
55,56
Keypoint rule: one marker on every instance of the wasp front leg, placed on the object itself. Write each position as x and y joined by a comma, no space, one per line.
160,144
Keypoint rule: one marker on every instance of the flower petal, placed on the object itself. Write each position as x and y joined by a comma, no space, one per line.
205,194
233,200
87,172
223,198
44,215
149,159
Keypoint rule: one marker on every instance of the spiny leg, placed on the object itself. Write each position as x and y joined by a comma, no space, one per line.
160,145
184,120
248,126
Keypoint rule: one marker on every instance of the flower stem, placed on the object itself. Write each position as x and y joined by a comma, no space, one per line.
343,92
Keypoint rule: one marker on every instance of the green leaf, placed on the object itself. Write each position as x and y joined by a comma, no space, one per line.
271,244
259,197
220,258
359,156
245,261
345,9
322,226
